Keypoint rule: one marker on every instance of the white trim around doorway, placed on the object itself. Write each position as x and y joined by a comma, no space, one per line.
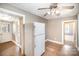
63,30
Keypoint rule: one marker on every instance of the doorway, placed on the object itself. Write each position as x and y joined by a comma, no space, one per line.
12,28
70,33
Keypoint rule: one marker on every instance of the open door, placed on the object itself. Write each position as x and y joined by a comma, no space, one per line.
70,33
39,38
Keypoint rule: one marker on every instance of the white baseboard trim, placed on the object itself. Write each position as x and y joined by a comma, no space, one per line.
46,40
54,41
16,43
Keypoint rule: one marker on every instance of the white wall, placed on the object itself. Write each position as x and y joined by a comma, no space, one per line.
29,19
54,28
5,37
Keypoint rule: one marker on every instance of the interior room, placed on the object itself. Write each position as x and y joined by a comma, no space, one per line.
39,29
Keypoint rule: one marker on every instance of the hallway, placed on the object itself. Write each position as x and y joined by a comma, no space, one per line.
53,49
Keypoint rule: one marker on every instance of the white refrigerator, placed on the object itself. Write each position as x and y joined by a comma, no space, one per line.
39,38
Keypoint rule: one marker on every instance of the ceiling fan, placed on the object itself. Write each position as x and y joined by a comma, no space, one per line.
53,9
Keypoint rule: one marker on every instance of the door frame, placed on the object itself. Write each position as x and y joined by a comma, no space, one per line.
63,41
22,23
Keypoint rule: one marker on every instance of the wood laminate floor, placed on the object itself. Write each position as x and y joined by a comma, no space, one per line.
9,49
53,49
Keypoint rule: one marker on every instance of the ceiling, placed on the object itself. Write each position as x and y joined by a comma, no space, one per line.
32,8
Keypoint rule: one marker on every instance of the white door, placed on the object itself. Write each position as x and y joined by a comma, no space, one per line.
39,38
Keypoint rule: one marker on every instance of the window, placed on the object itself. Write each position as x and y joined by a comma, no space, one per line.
5,26
69,28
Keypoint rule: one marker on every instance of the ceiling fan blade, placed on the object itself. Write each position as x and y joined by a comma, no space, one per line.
53,4
57,14
68,7
42,8
45,14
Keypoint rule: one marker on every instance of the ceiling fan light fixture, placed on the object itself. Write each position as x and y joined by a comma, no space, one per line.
57,12
48,13
52,13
